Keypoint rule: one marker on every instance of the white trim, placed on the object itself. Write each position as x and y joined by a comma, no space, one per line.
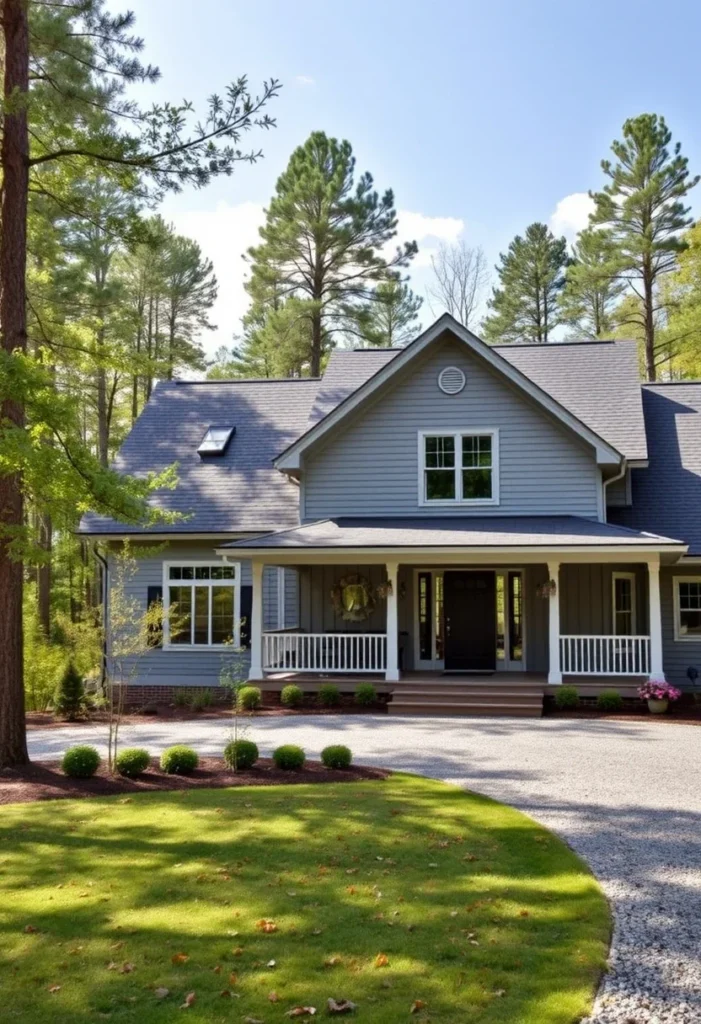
633,602
606,454
255,671
457,436
655,618
392,627
554,669
335,555
234,583
679,638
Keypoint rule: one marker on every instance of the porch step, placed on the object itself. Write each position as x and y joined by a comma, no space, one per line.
467,697
468,708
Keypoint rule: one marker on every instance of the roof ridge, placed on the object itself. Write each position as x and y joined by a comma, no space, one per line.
248,380
667,383
545,346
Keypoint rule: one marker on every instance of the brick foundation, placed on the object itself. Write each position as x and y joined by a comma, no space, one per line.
138,696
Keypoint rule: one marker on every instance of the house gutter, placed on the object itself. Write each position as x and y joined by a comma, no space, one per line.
613,480
105,590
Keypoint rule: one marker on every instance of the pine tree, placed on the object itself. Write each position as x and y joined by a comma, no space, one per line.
69,701
642,207
531,278
325,238
590,296
389,319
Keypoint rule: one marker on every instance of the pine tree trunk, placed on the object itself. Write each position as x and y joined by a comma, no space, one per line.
13,327
44,574
315,361
648,300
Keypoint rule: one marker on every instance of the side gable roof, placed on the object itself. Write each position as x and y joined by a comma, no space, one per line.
606,453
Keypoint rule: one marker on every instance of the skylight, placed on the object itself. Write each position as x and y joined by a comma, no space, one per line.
216,440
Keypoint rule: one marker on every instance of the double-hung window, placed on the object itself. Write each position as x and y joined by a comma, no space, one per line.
460,467
624,617
687,607
201,604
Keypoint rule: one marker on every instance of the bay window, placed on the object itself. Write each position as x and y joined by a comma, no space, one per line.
201,604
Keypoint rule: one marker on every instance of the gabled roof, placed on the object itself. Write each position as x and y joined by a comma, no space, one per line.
238,491
667,495
606,453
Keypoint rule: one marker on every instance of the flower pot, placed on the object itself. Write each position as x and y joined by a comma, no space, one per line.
657,707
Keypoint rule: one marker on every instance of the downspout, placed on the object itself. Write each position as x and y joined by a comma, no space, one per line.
613,480
105,590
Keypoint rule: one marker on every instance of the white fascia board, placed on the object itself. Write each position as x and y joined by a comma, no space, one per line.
338,554
291,459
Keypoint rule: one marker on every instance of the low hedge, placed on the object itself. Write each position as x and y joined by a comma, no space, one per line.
249,698
179,760
609,700
80,762
329,695
365,694
336,756
291,696
566,697
132,761
240,754
289,757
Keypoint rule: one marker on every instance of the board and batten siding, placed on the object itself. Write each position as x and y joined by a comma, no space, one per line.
370,465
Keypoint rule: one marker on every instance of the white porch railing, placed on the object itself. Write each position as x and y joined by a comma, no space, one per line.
605,655
324,652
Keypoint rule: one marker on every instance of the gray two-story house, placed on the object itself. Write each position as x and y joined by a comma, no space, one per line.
465,525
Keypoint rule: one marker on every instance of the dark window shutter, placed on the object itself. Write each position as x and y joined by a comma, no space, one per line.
246,608
155,630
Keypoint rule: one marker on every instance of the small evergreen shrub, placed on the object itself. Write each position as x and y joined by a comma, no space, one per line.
329,695
240,754
181,697
179,760
291,696
609,700
249,698
336,756
566,697
80,762
365,694
132,761
289,757
69,701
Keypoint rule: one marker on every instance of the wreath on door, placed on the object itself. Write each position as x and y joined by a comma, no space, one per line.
353,598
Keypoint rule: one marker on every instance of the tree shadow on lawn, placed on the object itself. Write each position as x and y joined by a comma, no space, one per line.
480,912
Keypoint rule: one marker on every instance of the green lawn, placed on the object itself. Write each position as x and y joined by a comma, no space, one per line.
471,908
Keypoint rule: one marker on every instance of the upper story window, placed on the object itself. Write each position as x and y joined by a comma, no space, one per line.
459,467
201,604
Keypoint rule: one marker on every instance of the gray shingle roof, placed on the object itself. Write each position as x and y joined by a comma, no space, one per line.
667,495
346,371
239,491
470,531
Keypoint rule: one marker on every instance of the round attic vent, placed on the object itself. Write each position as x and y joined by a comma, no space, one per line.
451,380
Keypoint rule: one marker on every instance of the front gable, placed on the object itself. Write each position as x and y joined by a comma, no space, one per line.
370,463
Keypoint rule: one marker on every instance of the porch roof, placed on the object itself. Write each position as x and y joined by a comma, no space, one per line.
478,533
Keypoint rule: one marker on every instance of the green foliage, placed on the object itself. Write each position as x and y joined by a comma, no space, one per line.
609,700
200,698
682,299
531,277
291,696
289,757
132,761
249,698
69,702
240,754
179,760
181,697
336,756
329,695
80,762
590,299
389,319
566,697
365,694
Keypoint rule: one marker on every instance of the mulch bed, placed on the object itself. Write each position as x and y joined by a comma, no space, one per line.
43,780
683,716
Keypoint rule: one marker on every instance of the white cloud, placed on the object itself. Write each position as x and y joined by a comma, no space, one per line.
426,232
571,215
305,80
224,234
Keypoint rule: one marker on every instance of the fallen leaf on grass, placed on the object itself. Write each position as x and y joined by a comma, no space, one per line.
161,993
179,958
233,979
273,997
126,968
53,989
189,1000
381,960
340,1006
271,963
301,1011
267,926
29,929
333,961
252,1020
500,992
238,951
417,1006
217,969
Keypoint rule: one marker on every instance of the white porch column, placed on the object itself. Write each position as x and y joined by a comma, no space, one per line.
655,617
256,625
554,671
392,670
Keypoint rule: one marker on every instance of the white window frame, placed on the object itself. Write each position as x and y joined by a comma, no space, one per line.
633,602
235,584
458,435
678,635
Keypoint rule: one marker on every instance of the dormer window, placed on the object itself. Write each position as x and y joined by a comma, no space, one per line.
459,468
216,440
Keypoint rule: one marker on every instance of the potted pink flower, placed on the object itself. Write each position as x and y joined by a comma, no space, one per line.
658,693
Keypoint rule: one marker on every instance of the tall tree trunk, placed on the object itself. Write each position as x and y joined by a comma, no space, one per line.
44,574
315,360
13,327
648,299
135,381
103,430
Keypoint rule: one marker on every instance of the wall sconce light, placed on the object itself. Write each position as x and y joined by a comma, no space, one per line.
546,590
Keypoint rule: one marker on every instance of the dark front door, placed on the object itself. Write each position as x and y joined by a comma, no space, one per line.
470,621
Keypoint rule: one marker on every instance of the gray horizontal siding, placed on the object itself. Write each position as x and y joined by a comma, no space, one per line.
370,465
677,655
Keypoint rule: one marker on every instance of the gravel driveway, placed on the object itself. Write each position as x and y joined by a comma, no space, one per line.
627,797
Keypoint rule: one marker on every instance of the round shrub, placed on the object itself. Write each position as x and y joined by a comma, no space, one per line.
240,754
336,756
132,761
179,760
249,698
329,695
80,762
289,757
365,694
291,696
609,700
567,697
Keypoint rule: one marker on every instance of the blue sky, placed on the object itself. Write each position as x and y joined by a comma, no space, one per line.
482,116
